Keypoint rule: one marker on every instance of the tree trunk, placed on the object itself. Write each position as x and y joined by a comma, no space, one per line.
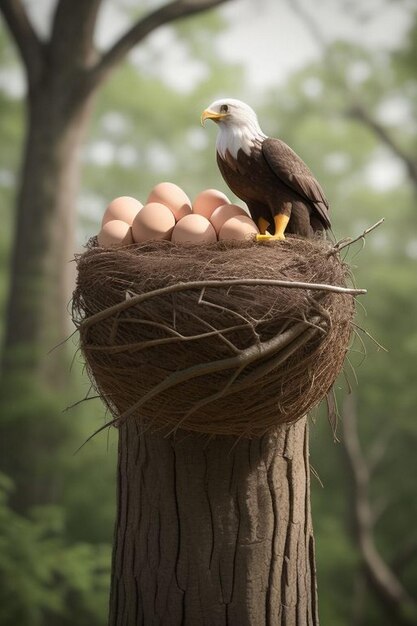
33,429
41,272
62,75
213,531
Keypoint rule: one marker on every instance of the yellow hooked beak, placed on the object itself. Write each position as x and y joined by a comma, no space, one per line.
211,115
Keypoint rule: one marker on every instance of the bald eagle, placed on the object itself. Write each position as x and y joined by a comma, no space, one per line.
280,191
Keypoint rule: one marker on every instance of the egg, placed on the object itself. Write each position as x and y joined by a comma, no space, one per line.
208,200
173,197
194,229
238,227
154,221
123,208
224,213
115,232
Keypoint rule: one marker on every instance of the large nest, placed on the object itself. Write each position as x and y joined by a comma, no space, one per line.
206,338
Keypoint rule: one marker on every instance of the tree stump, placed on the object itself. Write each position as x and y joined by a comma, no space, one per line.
213,531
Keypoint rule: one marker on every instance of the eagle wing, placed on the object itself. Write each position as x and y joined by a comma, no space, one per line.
291,170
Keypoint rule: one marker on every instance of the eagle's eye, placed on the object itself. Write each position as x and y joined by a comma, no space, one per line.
224,108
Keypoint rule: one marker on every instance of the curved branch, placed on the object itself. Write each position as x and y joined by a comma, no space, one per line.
385,583
250,355
29,45
175,338
166,14
355,110
200,284
359,113
296,341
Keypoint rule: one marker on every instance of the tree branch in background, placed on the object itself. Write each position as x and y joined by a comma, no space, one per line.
164,15
355,110
72,36
359,113
384,582
23,34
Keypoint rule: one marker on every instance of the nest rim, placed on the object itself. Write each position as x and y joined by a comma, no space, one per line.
333,313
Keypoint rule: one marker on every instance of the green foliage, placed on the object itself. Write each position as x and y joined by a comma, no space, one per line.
54,560
54,566
41,574
150,130
313,115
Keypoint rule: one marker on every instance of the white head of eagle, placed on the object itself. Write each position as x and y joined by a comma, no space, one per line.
238,126
280,190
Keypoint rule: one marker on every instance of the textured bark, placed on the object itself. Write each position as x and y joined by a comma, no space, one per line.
214,532
41,272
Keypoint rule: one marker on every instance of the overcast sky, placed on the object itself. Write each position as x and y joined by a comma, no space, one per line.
265,36
271,40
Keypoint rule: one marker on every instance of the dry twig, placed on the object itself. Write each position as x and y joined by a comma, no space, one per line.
344,243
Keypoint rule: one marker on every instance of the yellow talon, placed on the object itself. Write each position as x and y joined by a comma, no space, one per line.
263,225
281,222
268,237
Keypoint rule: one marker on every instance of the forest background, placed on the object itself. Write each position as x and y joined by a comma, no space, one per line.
335,80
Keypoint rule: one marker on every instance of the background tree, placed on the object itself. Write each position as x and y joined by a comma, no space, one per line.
63,75
366,168
364,181
37,439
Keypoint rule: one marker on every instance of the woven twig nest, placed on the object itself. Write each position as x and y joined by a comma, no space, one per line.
205,338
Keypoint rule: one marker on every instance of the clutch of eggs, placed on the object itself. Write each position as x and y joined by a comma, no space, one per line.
169,214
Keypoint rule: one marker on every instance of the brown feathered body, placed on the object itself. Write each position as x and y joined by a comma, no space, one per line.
273,179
